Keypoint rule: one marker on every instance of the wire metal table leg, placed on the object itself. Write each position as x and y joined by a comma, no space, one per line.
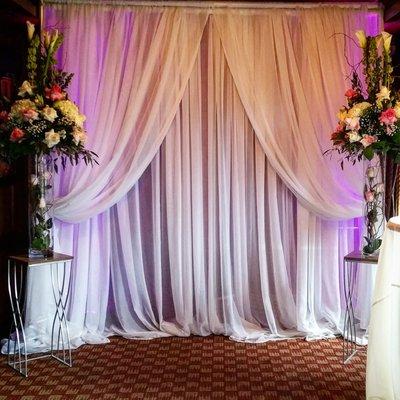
349,328
64,355
17,325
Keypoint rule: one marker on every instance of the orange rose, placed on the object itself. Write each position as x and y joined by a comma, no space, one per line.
54,93
17,135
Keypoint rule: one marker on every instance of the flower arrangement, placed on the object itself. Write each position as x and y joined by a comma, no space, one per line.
370,123
42,122
369,128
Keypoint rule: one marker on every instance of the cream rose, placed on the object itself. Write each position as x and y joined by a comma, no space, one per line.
79,136
25,88
354,137
51,138
49,113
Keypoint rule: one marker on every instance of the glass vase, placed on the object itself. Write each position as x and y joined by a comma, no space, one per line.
41,198
374,204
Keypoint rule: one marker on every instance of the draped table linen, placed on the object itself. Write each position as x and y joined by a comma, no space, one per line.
383,361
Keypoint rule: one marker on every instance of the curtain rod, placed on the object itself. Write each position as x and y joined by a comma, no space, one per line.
217,4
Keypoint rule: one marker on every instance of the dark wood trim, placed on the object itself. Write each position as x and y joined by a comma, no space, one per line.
27,6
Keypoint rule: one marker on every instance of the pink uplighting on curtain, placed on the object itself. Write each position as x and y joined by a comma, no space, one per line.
213,209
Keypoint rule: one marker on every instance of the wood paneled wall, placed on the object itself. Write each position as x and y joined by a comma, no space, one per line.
13,188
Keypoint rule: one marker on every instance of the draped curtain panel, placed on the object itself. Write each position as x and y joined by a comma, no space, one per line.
212,209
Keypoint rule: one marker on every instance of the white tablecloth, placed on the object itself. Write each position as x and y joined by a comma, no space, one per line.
383,362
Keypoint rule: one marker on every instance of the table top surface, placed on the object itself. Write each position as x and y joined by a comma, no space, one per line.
360,257
394,224
32,261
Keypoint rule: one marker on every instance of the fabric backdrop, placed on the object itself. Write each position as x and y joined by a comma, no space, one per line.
213,209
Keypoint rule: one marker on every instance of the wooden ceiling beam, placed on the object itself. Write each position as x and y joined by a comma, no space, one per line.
392,12
28,6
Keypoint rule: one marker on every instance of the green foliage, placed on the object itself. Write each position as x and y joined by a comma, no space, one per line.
372,245
32,59
368,153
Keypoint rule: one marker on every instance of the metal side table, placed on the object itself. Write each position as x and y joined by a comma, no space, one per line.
350,346
17,356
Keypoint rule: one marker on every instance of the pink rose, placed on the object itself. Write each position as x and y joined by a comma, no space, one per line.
54,93
388,117
369,196
367,140
17,135
339,128
351,94
29,114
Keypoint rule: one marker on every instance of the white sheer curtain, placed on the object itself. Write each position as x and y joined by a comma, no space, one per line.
210,239
288,67
133,66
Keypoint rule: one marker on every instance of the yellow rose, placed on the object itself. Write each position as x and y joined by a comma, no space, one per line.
25,88
358,109
67,108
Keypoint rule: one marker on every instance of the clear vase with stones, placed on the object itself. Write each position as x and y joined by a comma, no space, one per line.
41,199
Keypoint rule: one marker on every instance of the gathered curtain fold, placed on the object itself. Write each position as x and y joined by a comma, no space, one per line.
284,63
133,69
289,70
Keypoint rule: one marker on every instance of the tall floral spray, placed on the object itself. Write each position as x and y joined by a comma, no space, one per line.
44,123
369,127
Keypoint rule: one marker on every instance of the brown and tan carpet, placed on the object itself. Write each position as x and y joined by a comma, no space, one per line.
193,368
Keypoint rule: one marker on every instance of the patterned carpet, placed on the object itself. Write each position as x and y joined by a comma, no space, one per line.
193,368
